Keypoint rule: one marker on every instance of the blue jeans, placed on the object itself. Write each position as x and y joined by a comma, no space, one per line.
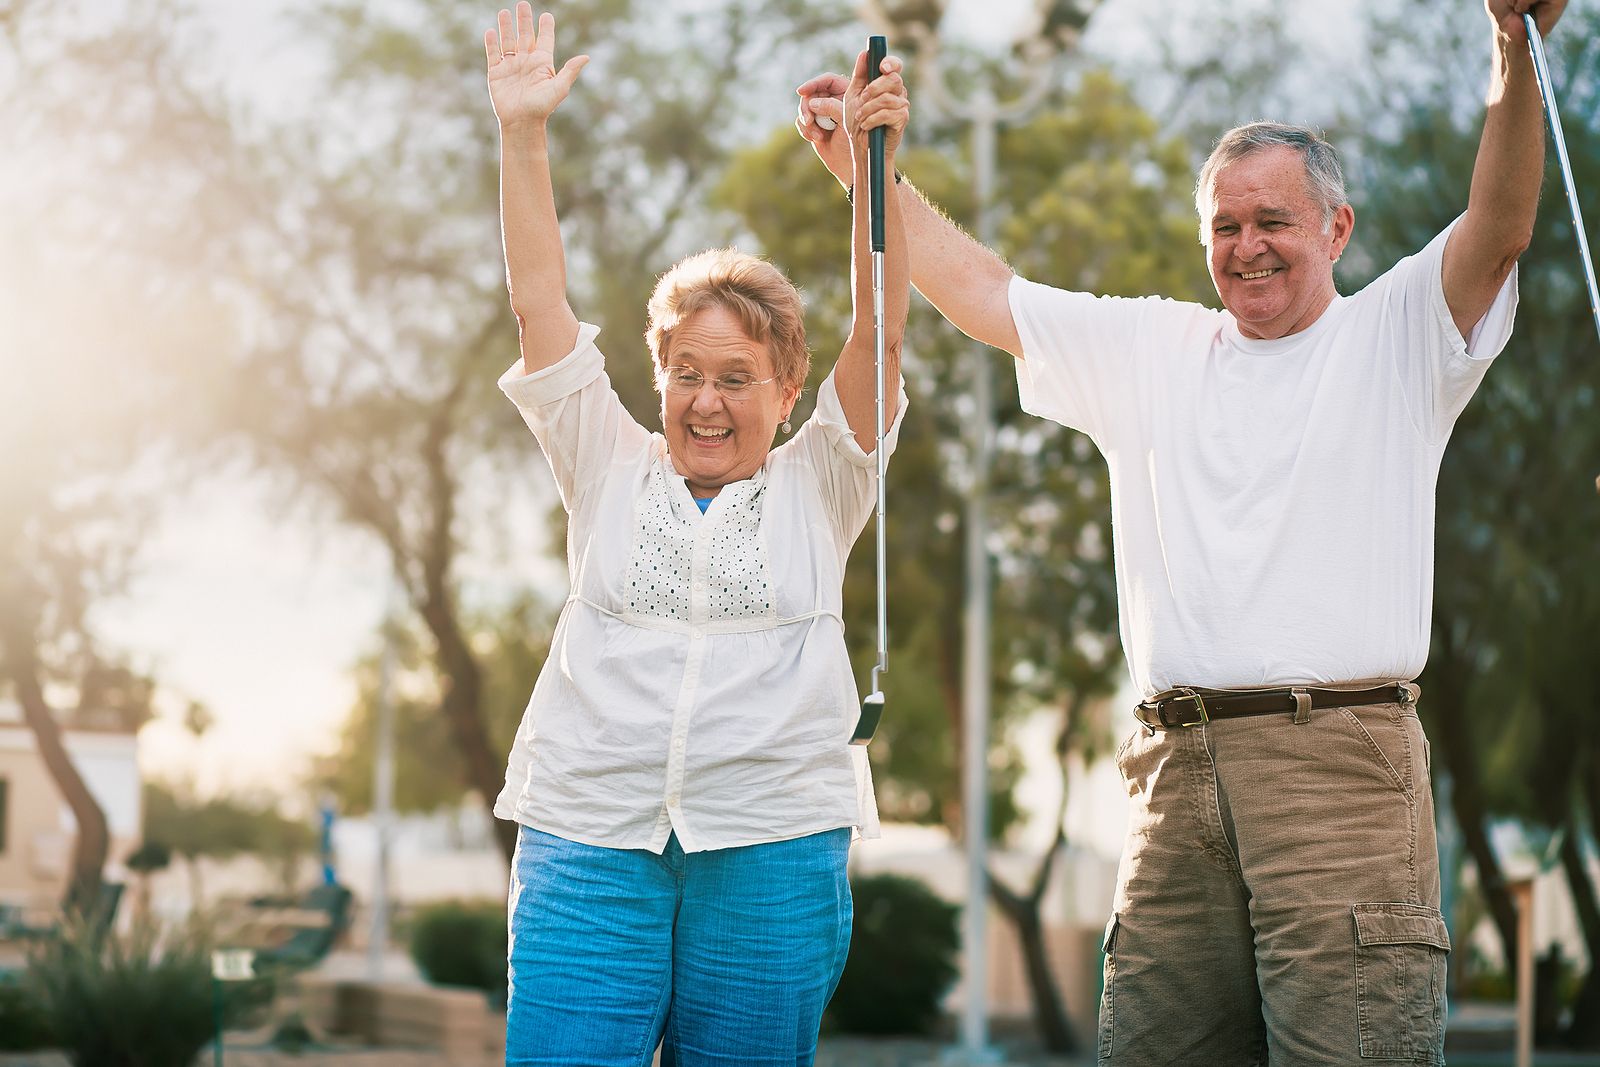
721,957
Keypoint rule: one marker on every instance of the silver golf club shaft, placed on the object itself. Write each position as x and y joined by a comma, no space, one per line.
1541,70
883,541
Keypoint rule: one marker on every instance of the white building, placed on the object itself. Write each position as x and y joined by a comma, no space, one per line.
37,828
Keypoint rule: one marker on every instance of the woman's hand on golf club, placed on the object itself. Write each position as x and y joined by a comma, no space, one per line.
822,98
876,99
1507,16
524,84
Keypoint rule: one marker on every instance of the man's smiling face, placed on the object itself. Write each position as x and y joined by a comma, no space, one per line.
1270,253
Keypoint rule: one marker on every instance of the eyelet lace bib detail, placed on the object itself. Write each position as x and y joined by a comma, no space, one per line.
681,559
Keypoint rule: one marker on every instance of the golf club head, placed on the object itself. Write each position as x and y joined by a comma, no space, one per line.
867,725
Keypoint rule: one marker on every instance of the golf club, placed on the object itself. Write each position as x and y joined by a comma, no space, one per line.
1541,69
872,706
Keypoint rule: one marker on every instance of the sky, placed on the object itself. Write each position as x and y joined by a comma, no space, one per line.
261,623
262,619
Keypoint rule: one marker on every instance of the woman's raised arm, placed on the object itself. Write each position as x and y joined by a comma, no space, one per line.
873,101
526,88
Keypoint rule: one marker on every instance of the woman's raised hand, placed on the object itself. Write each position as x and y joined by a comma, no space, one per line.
524,84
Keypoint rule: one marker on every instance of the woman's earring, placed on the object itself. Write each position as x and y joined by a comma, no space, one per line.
785,427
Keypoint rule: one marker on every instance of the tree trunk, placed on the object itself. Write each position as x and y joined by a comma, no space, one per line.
1049,1015
93,841
1050,1018
463,710
1445,700
463,690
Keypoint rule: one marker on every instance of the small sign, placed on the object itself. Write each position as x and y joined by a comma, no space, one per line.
233,965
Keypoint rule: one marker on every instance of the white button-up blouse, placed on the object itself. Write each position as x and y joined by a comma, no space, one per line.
698,681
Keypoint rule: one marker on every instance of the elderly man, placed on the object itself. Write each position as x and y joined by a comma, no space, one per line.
1272,470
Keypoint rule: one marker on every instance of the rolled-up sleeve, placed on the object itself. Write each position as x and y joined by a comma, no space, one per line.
847,474
575,414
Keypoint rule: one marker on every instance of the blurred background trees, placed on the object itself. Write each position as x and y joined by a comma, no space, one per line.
94,432
1511,690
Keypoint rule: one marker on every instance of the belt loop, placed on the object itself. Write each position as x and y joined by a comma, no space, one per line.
1302,706
1409,691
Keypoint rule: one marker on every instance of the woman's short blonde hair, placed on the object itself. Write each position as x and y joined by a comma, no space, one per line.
766,302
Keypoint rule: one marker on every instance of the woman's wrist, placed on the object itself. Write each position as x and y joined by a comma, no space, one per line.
850,190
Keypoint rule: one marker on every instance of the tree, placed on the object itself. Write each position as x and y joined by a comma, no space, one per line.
363,254
221,827
88,419
1093,198
1512,686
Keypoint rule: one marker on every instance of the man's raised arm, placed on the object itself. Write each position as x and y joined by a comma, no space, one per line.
964,280
1505,179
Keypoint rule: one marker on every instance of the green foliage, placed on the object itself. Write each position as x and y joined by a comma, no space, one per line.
903,946
23,1026
1517,507
149,857
1512,670
221,826
144,1000
462,943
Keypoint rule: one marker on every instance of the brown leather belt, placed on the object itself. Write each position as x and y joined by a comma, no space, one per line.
1190,706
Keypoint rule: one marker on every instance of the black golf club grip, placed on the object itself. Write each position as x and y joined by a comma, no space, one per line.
877,51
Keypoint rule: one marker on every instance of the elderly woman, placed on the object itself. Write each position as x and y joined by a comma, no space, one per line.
682,775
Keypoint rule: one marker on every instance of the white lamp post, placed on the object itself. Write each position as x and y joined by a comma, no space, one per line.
1038,38
383,793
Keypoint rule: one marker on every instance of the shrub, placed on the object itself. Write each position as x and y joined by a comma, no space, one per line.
143,1000
462,943
23,1027
903,946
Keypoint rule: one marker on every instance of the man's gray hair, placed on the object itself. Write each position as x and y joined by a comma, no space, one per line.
1324,176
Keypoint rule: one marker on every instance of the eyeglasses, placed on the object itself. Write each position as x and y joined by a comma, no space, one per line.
734,386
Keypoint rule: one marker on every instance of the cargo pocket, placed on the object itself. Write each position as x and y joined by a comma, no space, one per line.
1108,948
1400,974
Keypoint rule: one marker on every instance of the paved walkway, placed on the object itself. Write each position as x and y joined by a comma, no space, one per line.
1473,1027
838,1052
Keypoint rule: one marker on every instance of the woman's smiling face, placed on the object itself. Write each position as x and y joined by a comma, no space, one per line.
712,439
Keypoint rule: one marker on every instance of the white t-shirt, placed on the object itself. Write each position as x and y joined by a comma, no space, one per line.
1272,501
698,680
